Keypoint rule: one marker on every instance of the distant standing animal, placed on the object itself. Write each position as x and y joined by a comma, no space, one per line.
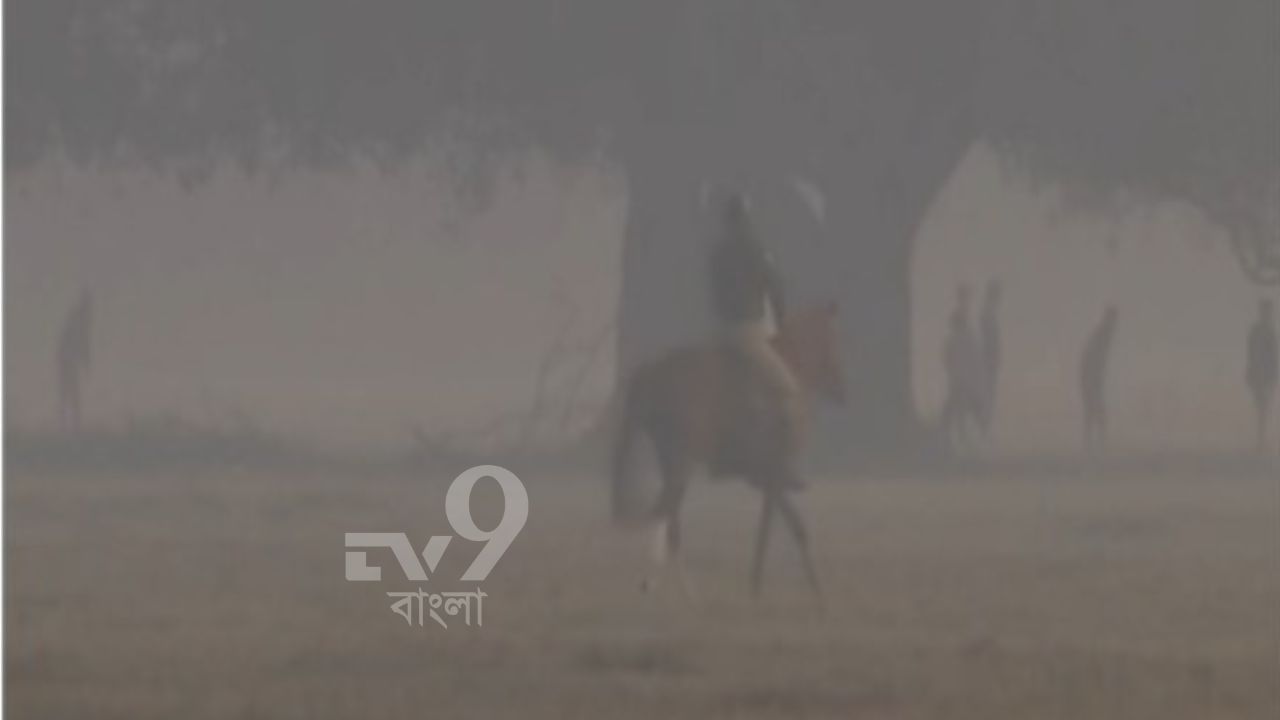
693,406
1261,367
72,360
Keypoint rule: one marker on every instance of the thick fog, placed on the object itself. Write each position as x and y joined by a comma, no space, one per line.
346,308
797,359
350,308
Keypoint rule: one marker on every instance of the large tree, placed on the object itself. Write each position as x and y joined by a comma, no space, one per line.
873,102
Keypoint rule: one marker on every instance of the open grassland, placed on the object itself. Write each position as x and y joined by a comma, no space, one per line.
221,595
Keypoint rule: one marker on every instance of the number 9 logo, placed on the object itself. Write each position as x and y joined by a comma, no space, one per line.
515,511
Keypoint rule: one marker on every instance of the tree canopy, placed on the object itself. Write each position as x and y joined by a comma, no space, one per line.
1158,98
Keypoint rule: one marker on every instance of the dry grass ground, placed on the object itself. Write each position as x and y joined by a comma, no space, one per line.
221,595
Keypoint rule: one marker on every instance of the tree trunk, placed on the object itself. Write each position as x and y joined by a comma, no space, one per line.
873,239
662,303
872,226
863,261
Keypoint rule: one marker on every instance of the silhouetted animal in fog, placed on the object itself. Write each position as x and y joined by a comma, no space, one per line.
689,404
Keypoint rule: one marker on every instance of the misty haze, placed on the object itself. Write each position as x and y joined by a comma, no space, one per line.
860,360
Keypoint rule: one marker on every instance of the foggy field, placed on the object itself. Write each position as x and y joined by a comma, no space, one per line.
221,595
1019,261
